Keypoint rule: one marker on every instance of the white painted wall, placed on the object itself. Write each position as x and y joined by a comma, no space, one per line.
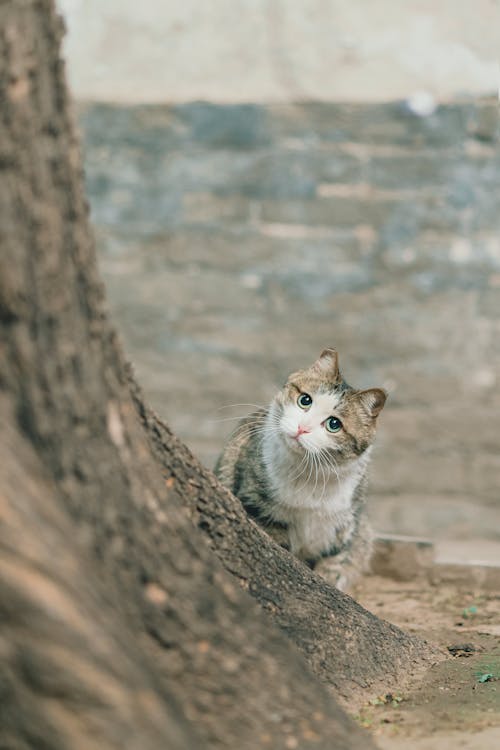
278,50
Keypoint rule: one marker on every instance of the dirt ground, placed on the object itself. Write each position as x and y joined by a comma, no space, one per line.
456,703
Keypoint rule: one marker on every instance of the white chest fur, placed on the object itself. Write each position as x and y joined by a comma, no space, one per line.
315,500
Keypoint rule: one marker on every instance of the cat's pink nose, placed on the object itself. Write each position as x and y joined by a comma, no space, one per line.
301,430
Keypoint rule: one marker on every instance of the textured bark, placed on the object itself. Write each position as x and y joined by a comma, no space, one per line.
118,625
345,645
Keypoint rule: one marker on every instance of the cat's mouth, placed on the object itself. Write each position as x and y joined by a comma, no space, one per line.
294,442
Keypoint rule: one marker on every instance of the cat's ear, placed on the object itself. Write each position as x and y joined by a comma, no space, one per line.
372,400
328,363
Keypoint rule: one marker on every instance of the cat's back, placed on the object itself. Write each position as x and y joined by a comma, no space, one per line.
241,454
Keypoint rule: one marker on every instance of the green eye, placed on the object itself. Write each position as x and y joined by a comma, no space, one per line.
304,401
333,424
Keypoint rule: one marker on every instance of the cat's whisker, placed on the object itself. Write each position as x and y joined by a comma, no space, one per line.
259,433
273,418
311,467
274,423
316,465
323,455
330,462
247,421
325,466
255,420
324,482
297,477
301,469
247,431
248,426
229,419
233,406
334,465
325,478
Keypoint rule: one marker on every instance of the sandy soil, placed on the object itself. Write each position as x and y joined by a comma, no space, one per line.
455,704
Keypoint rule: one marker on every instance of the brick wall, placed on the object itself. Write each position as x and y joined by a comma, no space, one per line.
238,241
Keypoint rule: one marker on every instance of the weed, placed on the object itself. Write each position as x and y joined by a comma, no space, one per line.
485,677
363,720
469,612
488,672
386,700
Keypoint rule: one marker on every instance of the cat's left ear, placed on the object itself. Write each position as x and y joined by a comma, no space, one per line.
372,400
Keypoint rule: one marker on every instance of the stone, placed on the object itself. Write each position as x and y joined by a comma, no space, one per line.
402,558
235,126
477,576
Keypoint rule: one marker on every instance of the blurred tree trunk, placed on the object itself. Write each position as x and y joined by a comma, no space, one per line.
119,627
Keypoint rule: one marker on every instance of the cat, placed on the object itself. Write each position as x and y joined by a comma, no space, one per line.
300,467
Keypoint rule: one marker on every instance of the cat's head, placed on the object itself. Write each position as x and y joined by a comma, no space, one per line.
319,412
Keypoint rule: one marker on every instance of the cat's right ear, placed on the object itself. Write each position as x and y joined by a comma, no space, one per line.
328,363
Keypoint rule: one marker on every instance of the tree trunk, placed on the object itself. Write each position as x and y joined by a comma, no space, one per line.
118,625
345,645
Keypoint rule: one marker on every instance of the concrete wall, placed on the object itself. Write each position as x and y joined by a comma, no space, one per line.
280,50
239,241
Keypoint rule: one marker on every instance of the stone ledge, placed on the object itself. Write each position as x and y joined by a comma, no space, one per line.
476,574
405,558
402,558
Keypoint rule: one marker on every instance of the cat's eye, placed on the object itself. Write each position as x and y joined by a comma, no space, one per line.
333,424
304,401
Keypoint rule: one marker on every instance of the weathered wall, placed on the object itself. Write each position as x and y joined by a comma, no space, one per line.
238,241
277,50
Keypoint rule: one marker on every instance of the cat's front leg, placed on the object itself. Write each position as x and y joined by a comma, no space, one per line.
336,572
345,568
279,533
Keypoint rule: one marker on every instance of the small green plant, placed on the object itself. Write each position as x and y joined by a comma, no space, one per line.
389,699
485,677
469,611
363,720
488,672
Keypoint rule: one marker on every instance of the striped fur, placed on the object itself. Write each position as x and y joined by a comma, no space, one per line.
304,484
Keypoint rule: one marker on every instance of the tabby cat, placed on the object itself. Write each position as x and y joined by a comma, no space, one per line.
300,466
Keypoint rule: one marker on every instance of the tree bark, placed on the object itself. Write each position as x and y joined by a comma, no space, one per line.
345,645
118,625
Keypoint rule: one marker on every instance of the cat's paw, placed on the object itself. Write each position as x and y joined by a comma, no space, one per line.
340,576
